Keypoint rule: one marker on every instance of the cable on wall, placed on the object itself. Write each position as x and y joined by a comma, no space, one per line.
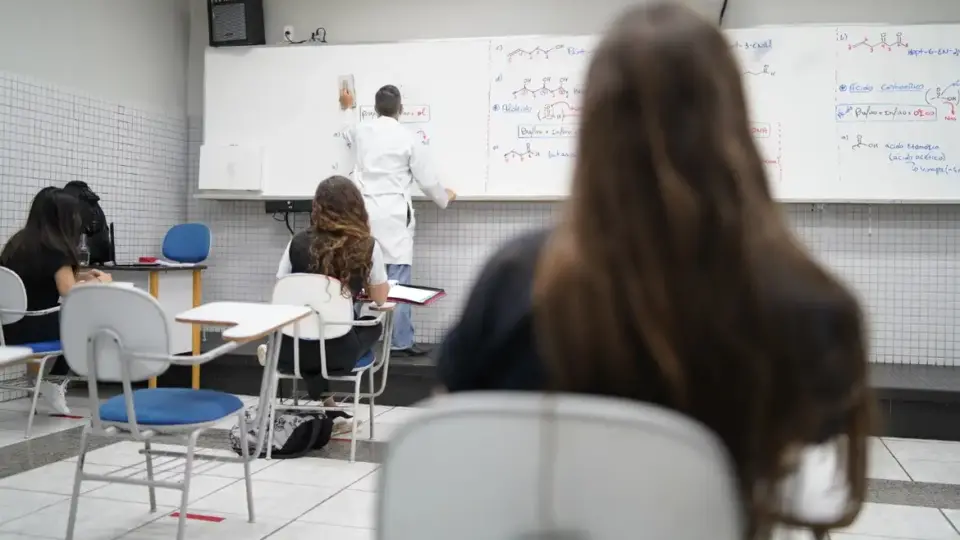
723,10
317,36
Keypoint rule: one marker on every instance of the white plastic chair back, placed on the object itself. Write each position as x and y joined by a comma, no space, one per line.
512,466
134,316
13,297
323,295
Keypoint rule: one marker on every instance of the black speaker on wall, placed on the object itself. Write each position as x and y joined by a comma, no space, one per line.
236,22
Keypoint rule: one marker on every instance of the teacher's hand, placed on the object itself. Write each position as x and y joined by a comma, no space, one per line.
451,195
346,99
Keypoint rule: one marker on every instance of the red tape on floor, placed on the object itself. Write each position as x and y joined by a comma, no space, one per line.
200,517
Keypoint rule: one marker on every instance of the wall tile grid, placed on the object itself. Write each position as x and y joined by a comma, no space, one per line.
134,159
902,259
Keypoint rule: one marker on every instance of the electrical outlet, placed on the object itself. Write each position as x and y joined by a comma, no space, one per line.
288,32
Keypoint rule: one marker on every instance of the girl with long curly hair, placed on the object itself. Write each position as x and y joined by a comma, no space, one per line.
338,245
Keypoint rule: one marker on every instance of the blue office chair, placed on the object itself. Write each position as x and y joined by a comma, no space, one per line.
187,243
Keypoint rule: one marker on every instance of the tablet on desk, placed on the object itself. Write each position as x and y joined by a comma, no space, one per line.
414,294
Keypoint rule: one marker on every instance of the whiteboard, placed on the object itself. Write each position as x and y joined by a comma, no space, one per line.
839,114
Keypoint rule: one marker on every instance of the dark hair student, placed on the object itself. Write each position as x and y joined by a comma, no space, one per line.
44,254
338,244
673,278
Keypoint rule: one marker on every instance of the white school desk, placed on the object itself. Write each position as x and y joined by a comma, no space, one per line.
10,356
177,288
247,321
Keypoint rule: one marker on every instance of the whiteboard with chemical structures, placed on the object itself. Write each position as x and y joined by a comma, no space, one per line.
839,114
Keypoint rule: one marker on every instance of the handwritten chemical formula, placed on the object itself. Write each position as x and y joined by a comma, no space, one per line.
520,155
860,145
542,53
765,71
560,110
945,96
873,45
547,89
885,112
412,114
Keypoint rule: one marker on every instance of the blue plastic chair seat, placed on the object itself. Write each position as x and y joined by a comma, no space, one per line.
187,243
44,346
172,407
365,361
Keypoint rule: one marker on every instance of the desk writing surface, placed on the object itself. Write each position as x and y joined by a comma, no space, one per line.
247,320
12,355
137,267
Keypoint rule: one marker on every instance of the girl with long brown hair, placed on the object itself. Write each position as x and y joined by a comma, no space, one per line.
673,278
338,244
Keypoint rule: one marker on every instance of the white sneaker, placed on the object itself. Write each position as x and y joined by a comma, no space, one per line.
262,355
55,396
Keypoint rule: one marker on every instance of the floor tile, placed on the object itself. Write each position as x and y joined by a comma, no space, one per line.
316,472
8,437
97,519
400,415
882,465
42,424
953,516
54,478
75,403
910,522
369,482
232,470
16,504
382,432
299,530
347,509
200,487
17,536
938,472
913,450
234,527
271,499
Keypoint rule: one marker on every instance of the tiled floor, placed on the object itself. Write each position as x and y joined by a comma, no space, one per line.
915,491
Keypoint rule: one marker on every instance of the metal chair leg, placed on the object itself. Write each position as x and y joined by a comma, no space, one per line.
372,399
36,396
77,479
356,409
150,488
247,478
185,495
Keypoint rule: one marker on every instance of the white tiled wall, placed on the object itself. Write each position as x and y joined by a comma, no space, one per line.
902,259
136,161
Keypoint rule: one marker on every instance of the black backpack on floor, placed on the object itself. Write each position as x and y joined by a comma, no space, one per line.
94,222
295,434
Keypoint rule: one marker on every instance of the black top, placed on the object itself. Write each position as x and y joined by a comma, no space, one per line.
38,276
492,346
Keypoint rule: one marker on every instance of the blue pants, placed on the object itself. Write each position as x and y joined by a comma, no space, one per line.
402,317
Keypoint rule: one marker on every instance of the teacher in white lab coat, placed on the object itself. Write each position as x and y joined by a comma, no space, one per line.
389,160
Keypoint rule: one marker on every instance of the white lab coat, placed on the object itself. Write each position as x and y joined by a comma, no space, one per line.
389,159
